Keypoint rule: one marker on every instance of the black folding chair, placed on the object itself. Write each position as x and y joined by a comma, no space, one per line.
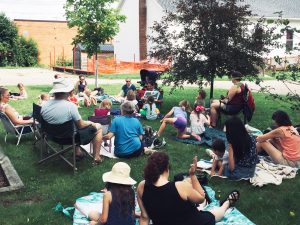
105,122
36,115
64,135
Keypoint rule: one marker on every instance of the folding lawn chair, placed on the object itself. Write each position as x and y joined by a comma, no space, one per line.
36,115
63,135
105,122
17,130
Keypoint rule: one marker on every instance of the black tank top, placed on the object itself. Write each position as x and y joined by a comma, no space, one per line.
165,207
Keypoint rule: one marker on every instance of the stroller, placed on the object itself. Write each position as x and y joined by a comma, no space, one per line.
148,76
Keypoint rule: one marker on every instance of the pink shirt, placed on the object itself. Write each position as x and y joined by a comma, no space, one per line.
101,112
290,143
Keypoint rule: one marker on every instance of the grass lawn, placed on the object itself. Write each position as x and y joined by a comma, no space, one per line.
53,182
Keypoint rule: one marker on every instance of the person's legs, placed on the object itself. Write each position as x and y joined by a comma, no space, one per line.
97,144
273,152
215,105
219,212
164,124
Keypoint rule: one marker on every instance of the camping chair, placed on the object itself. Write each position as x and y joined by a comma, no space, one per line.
105,122
36,115
63,135
17,130
222,111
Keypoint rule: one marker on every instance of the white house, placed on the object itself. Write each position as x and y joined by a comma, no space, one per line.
131,42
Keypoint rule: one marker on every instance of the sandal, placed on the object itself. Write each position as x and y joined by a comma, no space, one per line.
97,161
232,198
79,157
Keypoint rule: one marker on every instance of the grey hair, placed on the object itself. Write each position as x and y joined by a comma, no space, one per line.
127,108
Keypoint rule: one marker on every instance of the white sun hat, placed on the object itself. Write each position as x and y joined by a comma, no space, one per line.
62,85
119,174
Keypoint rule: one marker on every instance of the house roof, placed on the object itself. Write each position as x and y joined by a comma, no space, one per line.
103,48
265,8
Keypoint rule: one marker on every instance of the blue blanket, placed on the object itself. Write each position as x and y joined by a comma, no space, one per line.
208,137
232,216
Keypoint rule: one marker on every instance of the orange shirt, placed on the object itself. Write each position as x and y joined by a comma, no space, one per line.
290,143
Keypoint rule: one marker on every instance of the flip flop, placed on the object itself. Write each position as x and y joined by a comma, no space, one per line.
232,198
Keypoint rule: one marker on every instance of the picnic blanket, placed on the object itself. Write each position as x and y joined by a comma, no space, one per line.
267,172
93,201
208,137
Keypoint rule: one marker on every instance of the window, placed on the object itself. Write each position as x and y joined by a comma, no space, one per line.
289,40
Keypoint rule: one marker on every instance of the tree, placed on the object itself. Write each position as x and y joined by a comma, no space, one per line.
97,22
15,50
209,38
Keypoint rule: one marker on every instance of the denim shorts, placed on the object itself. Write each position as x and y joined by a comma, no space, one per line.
180,123
239,172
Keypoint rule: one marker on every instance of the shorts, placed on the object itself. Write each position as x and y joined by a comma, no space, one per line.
85,135
239,172
231,109
180,123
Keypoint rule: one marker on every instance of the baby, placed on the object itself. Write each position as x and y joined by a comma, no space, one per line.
219,155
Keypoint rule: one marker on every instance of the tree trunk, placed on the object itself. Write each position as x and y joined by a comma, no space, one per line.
96,78
211,95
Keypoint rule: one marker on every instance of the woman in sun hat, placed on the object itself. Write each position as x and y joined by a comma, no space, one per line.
118,200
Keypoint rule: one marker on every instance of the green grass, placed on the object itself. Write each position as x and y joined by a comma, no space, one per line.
53,182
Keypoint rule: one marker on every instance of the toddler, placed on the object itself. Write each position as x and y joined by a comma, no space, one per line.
104,108
72,98
43,98
200,99
149,109
198,119
219,155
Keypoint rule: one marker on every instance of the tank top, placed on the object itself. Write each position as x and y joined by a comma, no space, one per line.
165,207
114,214
290,143
101,112
179,112
81,86
237,98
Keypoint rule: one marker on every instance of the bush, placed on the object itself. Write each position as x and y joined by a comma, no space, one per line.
14,49
63,62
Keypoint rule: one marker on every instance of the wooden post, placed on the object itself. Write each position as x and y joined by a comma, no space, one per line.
54,56
50,60
63,58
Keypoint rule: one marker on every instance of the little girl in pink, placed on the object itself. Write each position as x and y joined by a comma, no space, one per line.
198,119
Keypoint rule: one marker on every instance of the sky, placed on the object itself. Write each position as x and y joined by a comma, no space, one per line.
34,9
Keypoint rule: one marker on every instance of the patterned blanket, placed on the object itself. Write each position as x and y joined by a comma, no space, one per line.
93,201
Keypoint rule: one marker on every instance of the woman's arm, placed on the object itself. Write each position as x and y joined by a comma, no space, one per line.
10,112
230,158
108,136
213,168
232,92
106,201
220,172
144,219
272,134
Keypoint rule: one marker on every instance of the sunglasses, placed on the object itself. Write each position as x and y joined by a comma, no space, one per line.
127,81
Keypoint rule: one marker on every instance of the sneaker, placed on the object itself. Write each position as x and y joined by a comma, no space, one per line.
210,153
156,144
196,136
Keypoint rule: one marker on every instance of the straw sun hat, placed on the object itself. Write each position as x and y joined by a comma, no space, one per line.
62,85
119,174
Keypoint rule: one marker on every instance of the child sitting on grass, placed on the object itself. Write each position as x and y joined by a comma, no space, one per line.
199,119
44,97
177,117
149,110
104,108
118,200
219,155
73,98
200,99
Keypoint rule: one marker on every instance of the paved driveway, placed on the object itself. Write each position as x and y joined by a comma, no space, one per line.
39,76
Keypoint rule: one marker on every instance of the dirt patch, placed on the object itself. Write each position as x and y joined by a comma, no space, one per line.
3,179
31,201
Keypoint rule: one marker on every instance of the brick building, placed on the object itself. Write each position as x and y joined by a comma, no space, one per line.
54,38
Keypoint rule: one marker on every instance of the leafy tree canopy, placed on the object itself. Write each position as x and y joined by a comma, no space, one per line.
209,38
97,22
15,50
